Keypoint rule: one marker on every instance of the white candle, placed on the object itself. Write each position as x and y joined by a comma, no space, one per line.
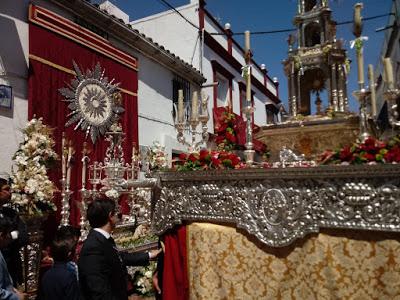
84,166
360,61
195,106
387,63
63,158
180,106
372,89
247,41
248,61
69,165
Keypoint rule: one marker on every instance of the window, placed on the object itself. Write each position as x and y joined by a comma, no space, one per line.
222,92
179,83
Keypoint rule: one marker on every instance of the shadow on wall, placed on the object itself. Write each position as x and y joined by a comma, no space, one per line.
13,66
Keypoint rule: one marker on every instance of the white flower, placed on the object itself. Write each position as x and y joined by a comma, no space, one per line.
31,184
112,193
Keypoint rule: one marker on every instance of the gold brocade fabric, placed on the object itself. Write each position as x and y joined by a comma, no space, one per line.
226,263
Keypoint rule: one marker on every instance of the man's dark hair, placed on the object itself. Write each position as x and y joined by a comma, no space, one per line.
6,222
63,249
98,212
68,231
3,182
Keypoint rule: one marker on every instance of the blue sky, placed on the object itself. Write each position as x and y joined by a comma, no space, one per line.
265,15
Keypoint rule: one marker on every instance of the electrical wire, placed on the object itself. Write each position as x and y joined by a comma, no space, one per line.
167,4
178,12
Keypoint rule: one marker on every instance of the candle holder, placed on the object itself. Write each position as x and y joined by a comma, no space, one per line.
65,206
361,96
249,152
391,96
112,177
190,125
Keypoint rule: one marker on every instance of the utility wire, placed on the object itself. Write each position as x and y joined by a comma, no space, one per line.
178,12
263,32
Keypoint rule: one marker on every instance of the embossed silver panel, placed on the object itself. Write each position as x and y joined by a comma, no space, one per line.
278,206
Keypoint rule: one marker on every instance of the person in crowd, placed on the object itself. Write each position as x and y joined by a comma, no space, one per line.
60,282
102,268
19,235
7,291
73,233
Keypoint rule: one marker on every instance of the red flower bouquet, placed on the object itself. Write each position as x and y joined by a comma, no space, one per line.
370,151
230,130
205,160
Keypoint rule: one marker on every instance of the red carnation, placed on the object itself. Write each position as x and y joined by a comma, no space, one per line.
182,156
192,157
230,137
346,154
215,161
203,154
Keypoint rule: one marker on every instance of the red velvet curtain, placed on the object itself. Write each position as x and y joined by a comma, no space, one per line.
175,277
45,101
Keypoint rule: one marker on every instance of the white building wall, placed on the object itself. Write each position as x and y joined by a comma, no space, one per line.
154,91
155,106
174,33
13,72
181,39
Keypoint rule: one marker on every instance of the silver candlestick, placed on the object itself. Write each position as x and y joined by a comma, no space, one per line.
191,124
361,96
65,206
391,96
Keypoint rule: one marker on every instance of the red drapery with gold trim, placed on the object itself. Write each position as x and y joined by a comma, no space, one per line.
175,277
45,101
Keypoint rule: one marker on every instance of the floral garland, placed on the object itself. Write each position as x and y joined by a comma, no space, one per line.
205,160
32,190
371,151
157,156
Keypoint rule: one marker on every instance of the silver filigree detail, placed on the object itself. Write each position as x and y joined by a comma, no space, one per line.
278,206
91,101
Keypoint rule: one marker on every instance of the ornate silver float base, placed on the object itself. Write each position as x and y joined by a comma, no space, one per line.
278,206
31,256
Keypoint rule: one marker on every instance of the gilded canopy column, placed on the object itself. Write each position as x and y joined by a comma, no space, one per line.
293,99
341,87
298,89
334,96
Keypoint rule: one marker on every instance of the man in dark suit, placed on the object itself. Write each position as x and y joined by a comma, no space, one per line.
101,267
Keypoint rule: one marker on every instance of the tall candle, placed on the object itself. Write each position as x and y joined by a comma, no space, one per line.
246,41
63,158
84,157
360,62
248,60
180,106
195,106
372,89
69,165
387,63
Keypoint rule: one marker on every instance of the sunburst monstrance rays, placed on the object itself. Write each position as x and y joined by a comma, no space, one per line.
91,101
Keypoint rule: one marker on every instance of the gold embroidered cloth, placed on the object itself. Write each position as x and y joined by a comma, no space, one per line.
226,263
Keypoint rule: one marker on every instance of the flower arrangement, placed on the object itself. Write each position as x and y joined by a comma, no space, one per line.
143,280
230,130
225,130
32,190
205,160
157,156
371,151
